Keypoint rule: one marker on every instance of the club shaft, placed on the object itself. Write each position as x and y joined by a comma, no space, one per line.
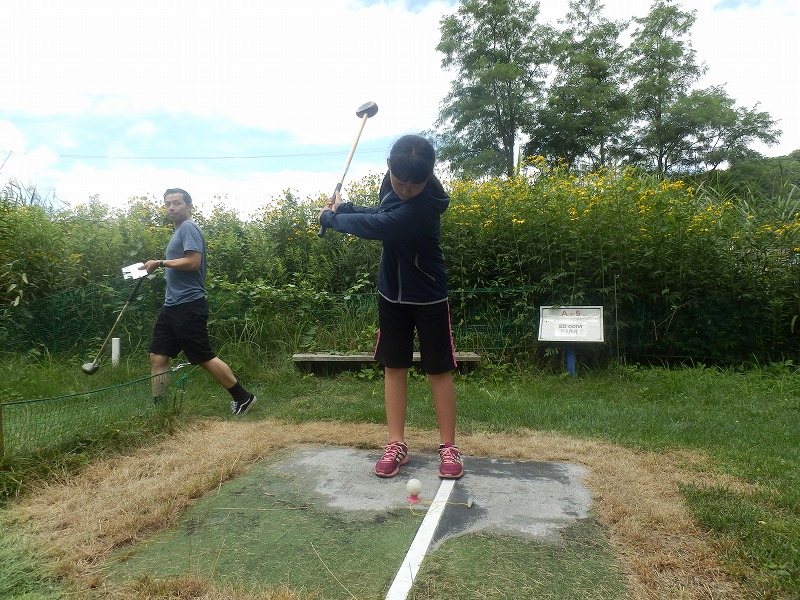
119,317
364,118
353,149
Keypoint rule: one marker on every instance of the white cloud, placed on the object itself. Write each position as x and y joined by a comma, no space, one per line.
17,161
246,195
30,168
142,129
300,65
296,71
12,138
745,51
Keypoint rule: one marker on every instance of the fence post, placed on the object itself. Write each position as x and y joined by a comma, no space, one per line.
115,351
2,435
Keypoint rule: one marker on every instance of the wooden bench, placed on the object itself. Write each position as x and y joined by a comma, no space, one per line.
322,362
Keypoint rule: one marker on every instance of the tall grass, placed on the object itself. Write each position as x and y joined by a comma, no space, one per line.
688,273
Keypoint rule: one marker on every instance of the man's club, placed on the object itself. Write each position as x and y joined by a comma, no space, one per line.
91,367
364,112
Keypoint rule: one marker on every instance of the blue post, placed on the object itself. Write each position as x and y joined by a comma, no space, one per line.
570,350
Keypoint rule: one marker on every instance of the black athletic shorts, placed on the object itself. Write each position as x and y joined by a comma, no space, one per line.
395,346
183,327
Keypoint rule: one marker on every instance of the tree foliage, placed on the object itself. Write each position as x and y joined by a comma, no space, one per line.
677,128
719,132
662,67
586,108
759,179
602,105
496,49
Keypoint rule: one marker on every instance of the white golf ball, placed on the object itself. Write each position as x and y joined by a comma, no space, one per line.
414,487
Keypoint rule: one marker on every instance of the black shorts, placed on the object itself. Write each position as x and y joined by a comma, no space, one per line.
395,346
183,327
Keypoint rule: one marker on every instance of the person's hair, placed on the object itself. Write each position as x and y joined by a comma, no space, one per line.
186,197
412,158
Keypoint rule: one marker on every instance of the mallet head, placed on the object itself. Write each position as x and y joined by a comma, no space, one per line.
90,368
368,108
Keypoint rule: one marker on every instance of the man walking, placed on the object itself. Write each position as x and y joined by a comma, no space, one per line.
183,321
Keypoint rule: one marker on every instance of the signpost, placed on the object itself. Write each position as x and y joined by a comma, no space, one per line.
571,325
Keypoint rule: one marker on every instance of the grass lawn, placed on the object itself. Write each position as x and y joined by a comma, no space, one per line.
746,423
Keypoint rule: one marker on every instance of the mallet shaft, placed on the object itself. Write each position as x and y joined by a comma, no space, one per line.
119,317
365,112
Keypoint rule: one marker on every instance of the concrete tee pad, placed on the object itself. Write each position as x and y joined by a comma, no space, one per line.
527,499
314,517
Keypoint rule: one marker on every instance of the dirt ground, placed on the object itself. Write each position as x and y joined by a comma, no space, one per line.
78,523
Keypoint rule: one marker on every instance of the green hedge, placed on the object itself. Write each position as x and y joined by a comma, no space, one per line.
682,273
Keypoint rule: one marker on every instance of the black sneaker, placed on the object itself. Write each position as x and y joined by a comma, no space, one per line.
241,408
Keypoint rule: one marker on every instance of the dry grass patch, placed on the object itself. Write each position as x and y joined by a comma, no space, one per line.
116,502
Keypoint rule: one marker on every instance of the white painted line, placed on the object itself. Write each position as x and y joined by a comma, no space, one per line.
419,547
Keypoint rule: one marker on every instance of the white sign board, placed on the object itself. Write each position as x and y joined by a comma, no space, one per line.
571,324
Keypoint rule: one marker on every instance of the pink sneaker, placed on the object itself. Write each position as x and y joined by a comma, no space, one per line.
394,456
450,466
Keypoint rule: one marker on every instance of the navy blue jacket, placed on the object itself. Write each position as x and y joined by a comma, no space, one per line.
412,265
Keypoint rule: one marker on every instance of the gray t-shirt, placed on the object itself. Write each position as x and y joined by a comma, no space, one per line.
185,286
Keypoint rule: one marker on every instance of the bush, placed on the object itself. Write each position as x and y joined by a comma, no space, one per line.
682,273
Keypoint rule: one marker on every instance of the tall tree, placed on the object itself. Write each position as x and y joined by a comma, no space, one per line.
719,131
496,50
586,109
662,68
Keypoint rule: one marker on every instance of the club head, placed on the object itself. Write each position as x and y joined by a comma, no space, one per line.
90,368
368,108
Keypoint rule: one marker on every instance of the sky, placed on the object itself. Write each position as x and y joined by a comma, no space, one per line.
237,101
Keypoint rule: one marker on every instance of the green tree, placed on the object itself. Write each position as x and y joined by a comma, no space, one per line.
146,230
497,52
677,128
717,131
228,244
662,67
586,109
92,242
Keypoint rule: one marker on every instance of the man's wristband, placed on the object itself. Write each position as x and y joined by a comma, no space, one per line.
161,263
